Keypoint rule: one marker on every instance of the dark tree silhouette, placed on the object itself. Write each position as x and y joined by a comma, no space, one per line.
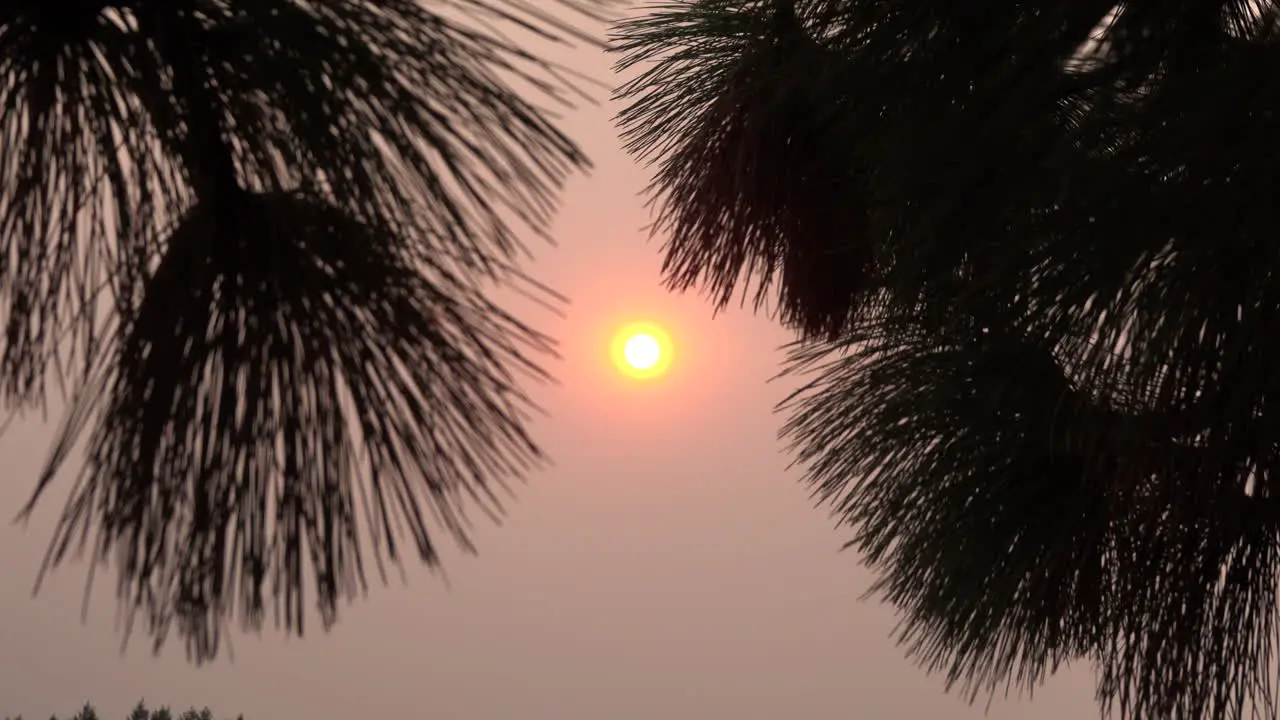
1031,251
253,241
142,712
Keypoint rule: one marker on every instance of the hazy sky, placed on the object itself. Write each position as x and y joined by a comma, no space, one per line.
668,567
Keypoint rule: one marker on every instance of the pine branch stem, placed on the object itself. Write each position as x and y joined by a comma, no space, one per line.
203,148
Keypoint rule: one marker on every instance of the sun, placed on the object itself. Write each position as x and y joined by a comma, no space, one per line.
642,350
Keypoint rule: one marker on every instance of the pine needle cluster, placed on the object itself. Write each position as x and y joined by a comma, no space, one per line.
1046,401
254,242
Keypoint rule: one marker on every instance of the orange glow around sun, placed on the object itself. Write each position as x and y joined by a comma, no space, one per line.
642,350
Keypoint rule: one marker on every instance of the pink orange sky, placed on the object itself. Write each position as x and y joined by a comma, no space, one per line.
668,567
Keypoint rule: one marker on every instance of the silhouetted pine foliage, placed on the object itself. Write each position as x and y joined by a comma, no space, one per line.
733,203
254,241
1050,415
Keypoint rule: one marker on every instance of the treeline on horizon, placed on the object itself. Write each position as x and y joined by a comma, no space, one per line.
141,712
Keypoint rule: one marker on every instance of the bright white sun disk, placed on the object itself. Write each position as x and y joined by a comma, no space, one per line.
642,351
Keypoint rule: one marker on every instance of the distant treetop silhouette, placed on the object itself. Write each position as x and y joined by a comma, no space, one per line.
142,712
